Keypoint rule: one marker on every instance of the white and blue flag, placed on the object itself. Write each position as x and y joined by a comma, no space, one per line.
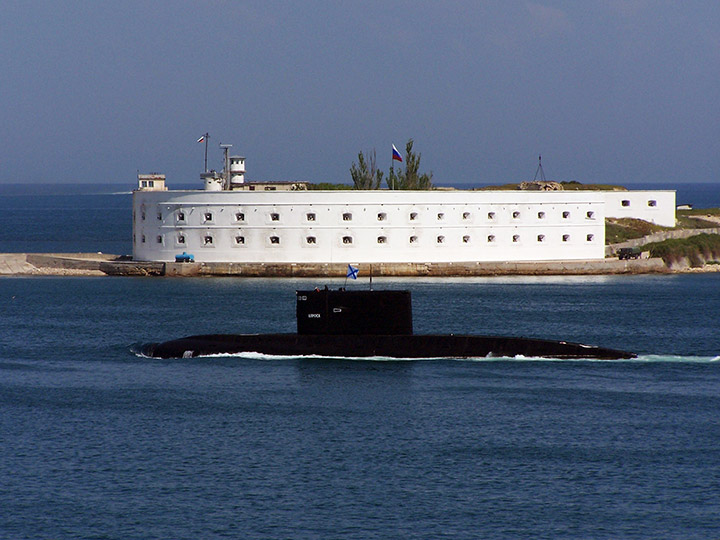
352,272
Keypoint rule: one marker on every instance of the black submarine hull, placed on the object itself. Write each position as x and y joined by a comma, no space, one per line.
390,346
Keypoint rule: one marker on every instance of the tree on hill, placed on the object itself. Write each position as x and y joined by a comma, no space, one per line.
365,174
410,178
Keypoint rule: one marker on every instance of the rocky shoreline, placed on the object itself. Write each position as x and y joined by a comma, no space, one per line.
99,264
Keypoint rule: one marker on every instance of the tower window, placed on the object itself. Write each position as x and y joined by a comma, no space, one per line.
181,239
516,214
440,216
516,237
565,214
541,215
382,216
590,237
466,239
491,237
491,215
208,216
347,216
440,239
541,237
275,216
240,240
413,239
413,216
382,239
208,240
625,202
347,240
652,203
310,216
565,237
590,214
181,216
239,216
274,239
311,240
159,216
159,239
466,215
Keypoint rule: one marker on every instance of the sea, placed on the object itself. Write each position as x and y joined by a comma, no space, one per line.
99,442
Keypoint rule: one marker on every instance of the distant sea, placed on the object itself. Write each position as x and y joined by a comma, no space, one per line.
97,441
98,217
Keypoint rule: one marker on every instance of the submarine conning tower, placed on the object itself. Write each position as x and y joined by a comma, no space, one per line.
338,312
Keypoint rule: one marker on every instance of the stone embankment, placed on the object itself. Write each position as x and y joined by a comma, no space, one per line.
91,264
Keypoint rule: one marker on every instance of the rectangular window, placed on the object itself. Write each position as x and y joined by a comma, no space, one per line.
274,239
565,214
413,216
275,216
652,203
382,216
491,215
310,216
208,216
541,215
347,216
181,216
466,215
239,216
625,202
347,240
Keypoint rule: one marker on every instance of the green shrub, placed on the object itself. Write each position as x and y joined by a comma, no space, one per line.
696,249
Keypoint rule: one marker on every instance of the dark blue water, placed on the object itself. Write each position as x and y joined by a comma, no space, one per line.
97,442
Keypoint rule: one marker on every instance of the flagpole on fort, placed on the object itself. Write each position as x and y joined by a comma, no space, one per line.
204,139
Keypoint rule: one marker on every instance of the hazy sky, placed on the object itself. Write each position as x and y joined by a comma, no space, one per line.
607,91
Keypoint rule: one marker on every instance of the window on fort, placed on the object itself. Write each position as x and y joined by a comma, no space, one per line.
310,216
274,239
275,216
347,240
590,214
208,216
590,237
413,239
491,215
566,237
565,214
181,239
159,239
143,239
144,183
159,216
311,240
652,203
382,239
382,216
441,215
347,216
239,216
239,240
142,216
516,237
151,183
466,239
208,240
491,237
541,237
466,215
625,202
440,239
516,214
270,188
413,216
181,216
541,215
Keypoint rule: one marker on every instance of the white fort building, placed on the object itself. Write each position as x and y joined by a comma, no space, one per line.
234,221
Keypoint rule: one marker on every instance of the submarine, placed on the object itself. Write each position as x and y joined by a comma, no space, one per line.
359,324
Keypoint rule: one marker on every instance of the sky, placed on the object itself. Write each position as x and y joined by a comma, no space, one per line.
611,91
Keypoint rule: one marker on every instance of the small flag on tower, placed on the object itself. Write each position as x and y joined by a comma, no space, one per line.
201,139
396,154
352,272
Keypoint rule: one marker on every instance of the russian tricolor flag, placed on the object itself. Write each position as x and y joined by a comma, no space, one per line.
396,154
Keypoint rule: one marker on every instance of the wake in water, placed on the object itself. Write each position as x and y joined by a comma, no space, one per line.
646,358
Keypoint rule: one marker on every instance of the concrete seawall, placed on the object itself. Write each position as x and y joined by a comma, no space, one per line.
90,264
